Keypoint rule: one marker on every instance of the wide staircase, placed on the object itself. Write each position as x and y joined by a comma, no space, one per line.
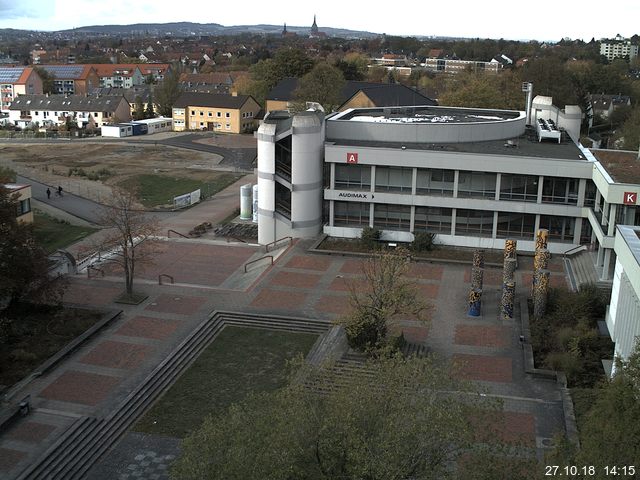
581,271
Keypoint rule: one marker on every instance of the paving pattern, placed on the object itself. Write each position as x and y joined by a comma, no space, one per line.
101,373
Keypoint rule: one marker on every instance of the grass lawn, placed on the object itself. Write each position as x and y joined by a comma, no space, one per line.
38,333
239,361
53,234
158,190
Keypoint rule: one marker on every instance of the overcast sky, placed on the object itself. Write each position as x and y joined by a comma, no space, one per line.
510,19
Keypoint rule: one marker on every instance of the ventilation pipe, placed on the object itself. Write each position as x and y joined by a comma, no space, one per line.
527,87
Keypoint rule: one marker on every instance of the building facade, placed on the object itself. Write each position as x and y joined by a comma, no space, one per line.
16,81
72,79
618,48
215,112
119,75
24,214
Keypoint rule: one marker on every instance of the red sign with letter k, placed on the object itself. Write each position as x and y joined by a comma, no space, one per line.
630,198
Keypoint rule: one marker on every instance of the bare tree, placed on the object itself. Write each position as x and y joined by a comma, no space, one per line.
129,236
383,294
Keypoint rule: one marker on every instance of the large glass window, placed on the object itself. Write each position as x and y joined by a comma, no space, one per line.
435,182
352,177
477,223
433,219
590,194
24,206
516,225
523,188
392,217
560,228
350,214
283,200
283,158
476,184
393,179
560,190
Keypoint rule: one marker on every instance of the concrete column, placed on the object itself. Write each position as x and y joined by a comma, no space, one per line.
600,256
498,181
332,180
371,213
536,225
332,210
456,178
412,218
605,214
453,221
577,230
494,230
373,179
613,210
414,183
597,200
540,184
606,266
582,189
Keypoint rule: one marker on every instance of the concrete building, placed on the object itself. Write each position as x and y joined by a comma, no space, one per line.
16,81
455,65
623,313
604,105
216,112
55,110
120,75
618,48
290,151
24,214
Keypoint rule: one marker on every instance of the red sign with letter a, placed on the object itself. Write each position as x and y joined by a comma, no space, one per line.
630,198
352,158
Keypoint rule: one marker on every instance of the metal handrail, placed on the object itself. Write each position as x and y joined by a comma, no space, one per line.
257,260
178,233
571,250
275,242
164,275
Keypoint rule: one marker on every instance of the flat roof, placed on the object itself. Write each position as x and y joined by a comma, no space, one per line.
622,166
426,114
523,146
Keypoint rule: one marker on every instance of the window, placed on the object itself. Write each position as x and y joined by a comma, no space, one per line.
477,223
392,217
433,219
228,126
393,179
218,114
352,177
193,112
560,228
210,114
350,214
435,182
24,206
227,115
477,184
519,187
560,190
516,225
590,194
201,113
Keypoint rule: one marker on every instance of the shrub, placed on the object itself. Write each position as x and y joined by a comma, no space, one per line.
370,237
423,242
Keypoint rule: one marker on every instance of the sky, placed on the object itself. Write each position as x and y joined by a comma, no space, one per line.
509,19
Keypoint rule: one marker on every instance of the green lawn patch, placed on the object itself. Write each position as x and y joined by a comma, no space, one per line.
53,234
160,190
238,362
37,333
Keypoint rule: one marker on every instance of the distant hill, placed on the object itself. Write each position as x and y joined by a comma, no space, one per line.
190,28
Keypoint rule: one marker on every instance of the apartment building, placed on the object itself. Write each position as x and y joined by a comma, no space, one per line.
16,81
618,48
121,75
215,112
72,79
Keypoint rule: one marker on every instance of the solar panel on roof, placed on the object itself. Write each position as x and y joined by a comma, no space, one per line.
10,75
65,71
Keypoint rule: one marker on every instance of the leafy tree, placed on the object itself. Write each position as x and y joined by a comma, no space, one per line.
630,130
369,237
392,421
128,236
354,66
324,85
138,112
483,90
168,91
47,79
149,113
24,265
384,293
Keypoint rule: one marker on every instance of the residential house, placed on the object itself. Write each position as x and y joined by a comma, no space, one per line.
55,110
119,75
217,112
24,214
604,105
16,81
156,70
206,82
72,79
354,95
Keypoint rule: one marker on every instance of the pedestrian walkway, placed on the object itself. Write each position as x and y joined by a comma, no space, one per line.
95,379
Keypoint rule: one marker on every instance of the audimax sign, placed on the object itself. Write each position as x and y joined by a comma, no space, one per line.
364,196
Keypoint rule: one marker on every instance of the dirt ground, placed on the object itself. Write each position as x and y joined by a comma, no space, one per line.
76,166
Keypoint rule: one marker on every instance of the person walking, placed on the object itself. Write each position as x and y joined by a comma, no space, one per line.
59,191
48,193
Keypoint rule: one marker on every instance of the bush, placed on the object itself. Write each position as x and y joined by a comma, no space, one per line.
423,242
370,237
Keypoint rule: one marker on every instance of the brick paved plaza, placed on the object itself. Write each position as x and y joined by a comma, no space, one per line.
301,284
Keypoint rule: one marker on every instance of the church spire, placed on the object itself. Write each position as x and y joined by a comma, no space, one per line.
314,27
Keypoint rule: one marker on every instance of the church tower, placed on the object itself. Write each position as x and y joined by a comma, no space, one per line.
314,27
